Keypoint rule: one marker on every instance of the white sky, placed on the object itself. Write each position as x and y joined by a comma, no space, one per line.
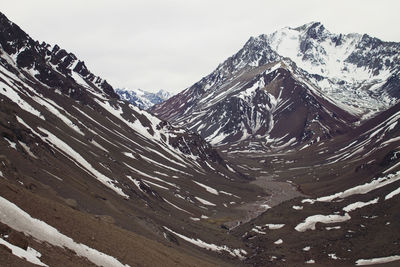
171,44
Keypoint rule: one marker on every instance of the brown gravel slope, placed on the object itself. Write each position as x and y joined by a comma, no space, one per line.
127,247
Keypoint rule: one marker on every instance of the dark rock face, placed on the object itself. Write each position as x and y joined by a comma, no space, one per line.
375,54
392,86
194,144
12,38
35,57
390,158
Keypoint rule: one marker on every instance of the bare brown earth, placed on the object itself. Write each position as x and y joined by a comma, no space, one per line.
370,233
126,246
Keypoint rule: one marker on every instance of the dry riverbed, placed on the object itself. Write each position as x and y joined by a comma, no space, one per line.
277,191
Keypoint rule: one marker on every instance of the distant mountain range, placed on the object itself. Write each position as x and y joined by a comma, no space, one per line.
141,98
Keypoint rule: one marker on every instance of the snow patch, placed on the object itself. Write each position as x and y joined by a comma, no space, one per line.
360,189
258,231
129,154
297,207
205,202
228,194
12,144
392,194
207,188
333,256
30,254
377,260
332,228
309,222
359,204
27,149
272,226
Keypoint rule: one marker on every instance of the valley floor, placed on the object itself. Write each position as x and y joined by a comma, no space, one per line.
344,227
277,192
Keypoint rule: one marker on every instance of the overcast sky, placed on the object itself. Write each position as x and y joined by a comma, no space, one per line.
171,44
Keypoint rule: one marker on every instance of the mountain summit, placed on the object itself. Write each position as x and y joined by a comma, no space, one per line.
326,82
141,98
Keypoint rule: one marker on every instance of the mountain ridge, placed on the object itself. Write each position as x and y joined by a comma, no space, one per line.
141,98
352,80
68,142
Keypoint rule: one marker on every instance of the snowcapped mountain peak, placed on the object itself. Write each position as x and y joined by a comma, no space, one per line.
315,30
305,27
141,98
340,64
334,57
351,74
164,94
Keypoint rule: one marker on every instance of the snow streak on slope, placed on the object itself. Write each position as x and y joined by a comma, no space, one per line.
360,189
381,260
29,254
16,218
79,160
240,253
